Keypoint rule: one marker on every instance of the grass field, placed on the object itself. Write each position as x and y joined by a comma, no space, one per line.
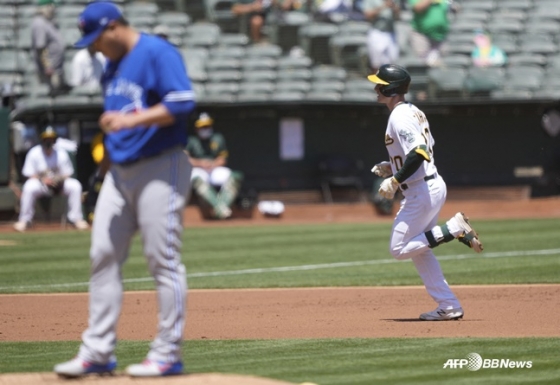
294,256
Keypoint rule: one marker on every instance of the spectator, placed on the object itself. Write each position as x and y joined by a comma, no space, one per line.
255,11
49,172
87,67
212,181
294,5
430,25
383,47
48,47
334,11
485,53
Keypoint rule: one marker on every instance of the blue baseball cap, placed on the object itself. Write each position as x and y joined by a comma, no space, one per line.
94,19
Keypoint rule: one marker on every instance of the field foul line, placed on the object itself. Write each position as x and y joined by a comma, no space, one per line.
308,267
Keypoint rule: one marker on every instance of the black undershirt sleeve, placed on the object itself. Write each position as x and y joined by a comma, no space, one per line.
412,163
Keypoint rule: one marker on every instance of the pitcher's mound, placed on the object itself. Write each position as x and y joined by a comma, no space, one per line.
121,379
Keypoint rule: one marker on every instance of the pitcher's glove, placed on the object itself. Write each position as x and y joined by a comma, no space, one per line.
388,188
382,169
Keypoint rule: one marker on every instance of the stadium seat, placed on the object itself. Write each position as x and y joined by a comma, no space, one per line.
222,64
548,12
174,19
219,12
283,31
67,100
460,49
514,4
233,39
524,77
13,61
140,8
330,86
479,82
345,50
224,76
467,26
508,13
257,87
354,28
289,62
542,47
253,97
287,96
218,98
293,86
358,96
259,76
258,63
294,75
203,28
527,59
510,94
453,61
507,42
314,39
328,73
200,40
359,85
264,50
511,26
546,26
199,90
460,38
446,82
213,88
323,96
482,5
227,52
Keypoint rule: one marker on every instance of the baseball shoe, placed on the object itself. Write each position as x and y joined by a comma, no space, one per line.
469,236
21,226
81,225
77,367
150,368
443,315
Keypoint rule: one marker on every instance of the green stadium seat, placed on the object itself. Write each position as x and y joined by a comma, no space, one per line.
446,82
283,31
257,87
479,82
345,50
354,28
264,50
287,96
258,63
358,96
293,86
511,94
527,59
224,76
359,85
454,61
174,19
213,88
222,64
288,63
328,73
259,76
224,52
314,39
330,86
233,39
323,96
294,75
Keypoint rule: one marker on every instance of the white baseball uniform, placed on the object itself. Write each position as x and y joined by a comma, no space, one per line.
424,195
58,163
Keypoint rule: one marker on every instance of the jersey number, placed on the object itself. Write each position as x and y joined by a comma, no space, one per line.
398,160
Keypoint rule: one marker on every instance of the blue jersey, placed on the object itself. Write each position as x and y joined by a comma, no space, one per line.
152,72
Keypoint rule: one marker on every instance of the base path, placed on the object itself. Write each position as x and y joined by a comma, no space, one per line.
369,312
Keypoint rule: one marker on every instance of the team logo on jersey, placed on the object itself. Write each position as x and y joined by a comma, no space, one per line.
407,135
388,140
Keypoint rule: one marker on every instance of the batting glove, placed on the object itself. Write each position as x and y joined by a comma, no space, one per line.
388,188
382,169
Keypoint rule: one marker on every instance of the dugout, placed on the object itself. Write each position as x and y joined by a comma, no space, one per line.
278,146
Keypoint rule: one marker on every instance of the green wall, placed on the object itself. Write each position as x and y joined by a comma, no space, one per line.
4,146
477,144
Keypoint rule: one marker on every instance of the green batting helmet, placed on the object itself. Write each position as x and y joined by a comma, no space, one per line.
394,80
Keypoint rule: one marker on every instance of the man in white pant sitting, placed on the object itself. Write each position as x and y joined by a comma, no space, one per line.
213,182
48,172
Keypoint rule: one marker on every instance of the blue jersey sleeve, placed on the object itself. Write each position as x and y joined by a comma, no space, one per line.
173,83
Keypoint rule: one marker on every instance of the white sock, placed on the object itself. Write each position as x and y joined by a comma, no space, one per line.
454,228
437,233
